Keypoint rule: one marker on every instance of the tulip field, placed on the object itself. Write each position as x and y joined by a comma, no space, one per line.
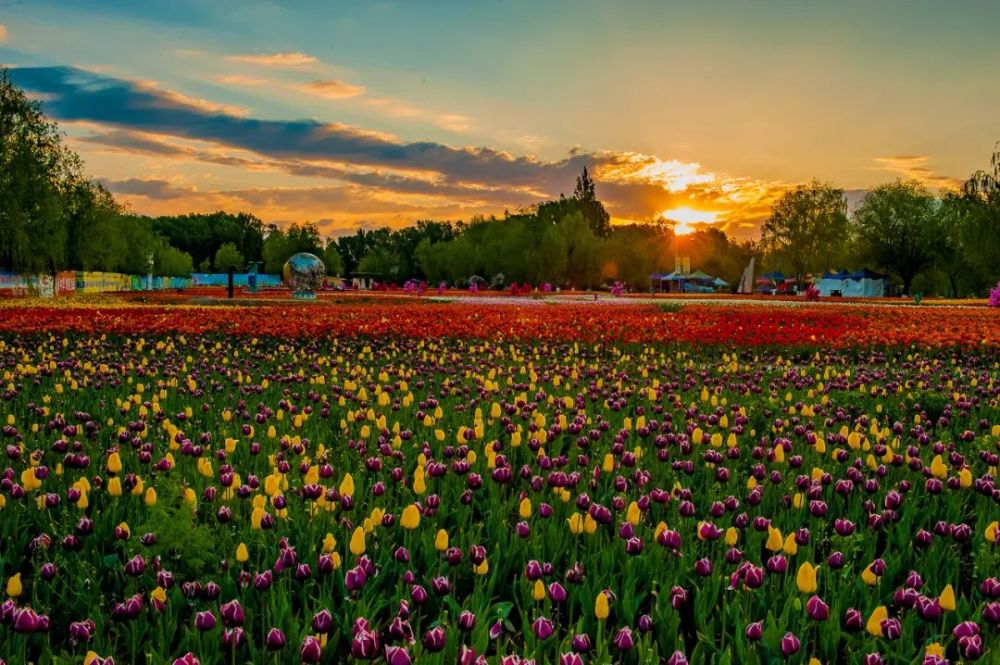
412,482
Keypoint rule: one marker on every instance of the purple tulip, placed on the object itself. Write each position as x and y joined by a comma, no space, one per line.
991,613
817,609
790,644
929,609
397,656
557,592
311,651
466,621
82,631
275,640
232,614
581,643
204,621
496,629
187,659
873,659
677,658
355,578
135,566
678,597
966,629
971,647
892,629
755,631
543,628
322,621
570,659
233,638
435,639
623,639
25,620
645,623
853,619
364,644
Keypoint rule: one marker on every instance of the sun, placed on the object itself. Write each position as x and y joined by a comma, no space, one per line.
686,218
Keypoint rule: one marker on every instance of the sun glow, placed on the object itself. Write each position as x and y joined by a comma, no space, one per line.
686,218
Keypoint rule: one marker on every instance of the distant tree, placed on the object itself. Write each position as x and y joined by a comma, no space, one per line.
226,257
331,259
981,231
807,228
172,262
897,225
383,262
35,170
583,260
275,251
590,207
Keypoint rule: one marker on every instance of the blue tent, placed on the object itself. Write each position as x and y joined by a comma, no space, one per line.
864,283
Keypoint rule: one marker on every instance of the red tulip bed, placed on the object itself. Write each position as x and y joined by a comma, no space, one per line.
444,483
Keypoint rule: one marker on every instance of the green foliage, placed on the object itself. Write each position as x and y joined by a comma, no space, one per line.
331,259
807,228
172,262
186,546
280,245
228,257
898,228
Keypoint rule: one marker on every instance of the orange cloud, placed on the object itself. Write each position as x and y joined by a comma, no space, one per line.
239,80
197,102
915,167
3,33
289,59
332,89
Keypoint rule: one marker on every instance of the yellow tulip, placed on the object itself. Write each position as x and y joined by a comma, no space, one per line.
524,509
991,531
115,486
947,599
935,649
410,518
774,539
482,568
538,592
938,468
14,587
329,543
441,540
790,546
805,579
114,463
601,610
358,542
575,523
241,553
347,485
150,497
874,625
732,536
633,514
869,578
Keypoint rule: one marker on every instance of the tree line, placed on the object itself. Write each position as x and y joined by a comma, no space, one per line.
947,243
53,217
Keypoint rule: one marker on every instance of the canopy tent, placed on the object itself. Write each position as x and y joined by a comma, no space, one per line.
699,276
775,276
719,282
864,283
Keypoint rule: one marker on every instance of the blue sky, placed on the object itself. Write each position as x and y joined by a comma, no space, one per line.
385,112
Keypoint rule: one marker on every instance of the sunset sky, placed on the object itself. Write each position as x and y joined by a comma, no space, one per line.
381,113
